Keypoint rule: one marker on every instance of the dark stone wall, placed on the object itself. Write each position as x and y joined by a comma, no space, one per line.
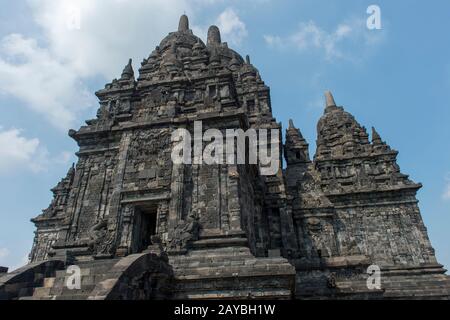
331,216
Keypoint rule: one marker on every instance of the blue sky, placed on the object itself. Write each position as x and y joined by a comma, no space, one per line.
54,54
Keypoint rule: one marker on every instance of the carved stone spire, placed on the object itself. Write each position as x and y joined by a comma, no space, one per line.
234,63
71,172
291,124
293,130
378,144
128,72
296,149
329,100
339,134
184,23
214,36
376,139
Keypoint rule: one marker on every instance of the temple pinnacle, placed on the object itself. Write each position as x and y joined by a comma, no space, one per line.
376,139
128,71
184,23
291,124
329,99
214,36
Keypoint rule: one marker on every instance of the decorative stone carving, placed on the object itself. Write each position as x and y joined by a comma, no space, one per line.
184,233
348,207
100,239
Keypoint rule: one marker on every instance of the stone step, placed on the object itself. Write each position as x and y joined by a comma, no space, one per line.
62,292
416,272
92,279
85,280
225,260
86,271
417,280
91,267
97,263
62,274
83,287
205,234
231,271
244,284
412,285
417,293
55,288
422,284
235,283
234,294
73,297
403,289
212,264
219,252
27,291
248,260
211,259
220,242
49,282
41,292
87,283
230,262
97,268
29,298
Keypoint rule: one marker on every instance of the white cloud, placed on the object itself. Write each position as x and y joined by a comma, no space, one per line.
4,252
231,27
23,261
110,31
81,39
48,86
310,36
316,104
4,255
18,152
446,194
7,260
64,157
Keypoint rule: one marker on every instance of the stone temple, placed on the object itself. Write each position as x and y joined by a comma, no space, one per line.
141,227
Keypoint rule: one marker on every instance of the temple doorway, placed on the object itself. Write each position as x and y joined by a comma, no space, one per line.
145,227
